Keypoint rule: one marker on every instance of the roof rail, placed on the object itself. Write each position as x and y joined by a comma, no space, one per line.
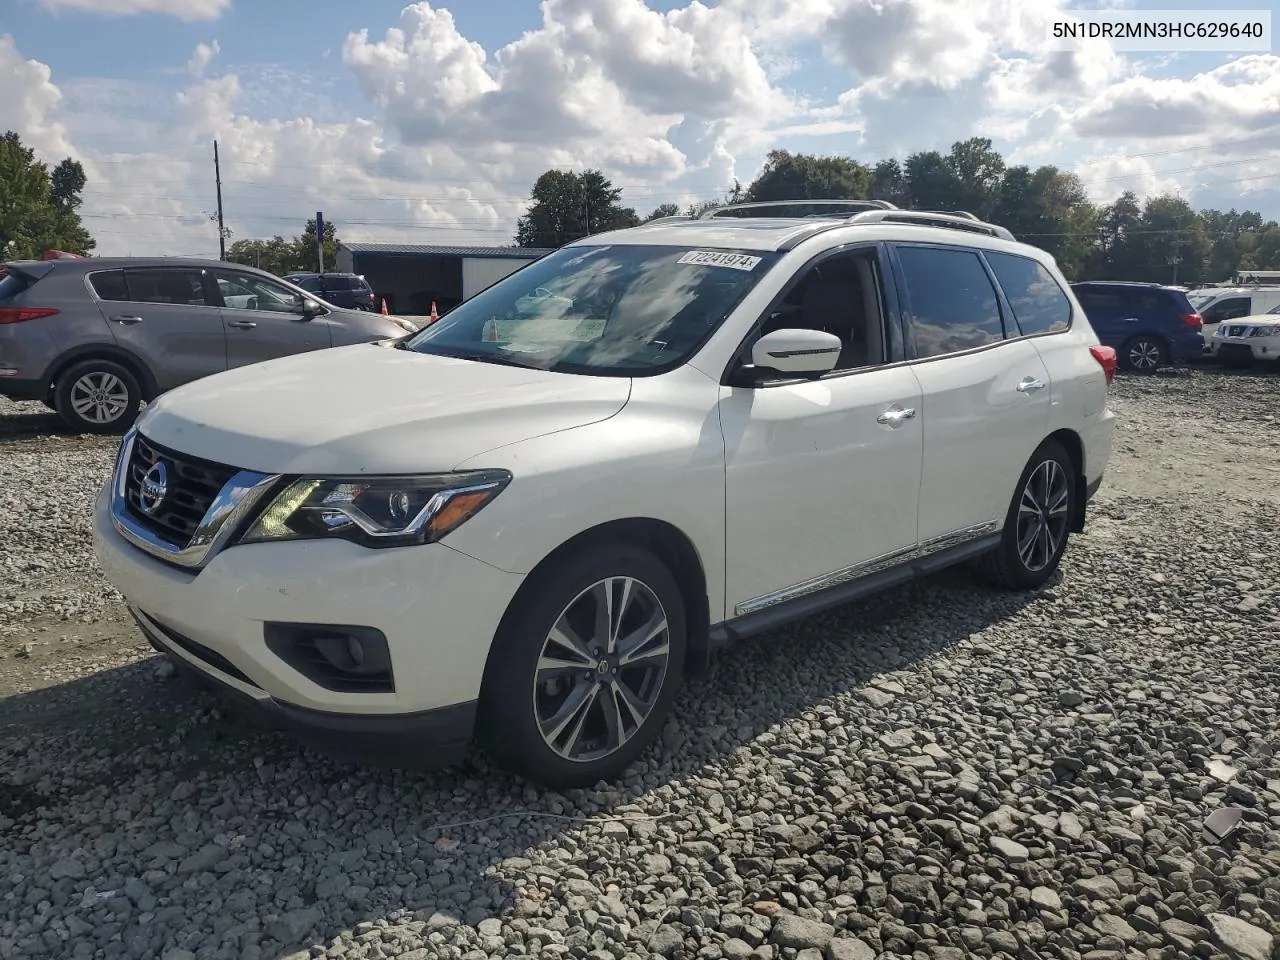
715,212
926,218
679,216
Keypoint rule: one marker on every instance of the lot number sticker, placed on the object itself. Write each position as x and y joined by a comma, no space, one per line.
712,258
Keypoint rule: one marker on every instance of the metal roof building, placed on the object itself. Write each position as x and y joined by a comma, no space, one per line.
411,276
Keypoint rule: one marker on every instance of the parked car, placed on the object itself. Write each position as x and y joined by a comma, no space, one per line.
1218,305
348,290
95,338
1243,341
1149,325
531,529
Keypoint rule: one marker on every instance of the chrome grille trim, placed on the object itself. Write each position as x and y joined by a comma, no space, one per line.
238,496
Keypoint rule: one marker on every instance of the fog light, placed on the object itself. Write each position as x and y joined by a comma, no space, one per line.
340,658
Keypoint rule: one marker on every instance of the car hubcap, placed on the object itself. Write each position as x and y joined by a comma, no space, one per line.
99,397
601,669
1144,355
1043,515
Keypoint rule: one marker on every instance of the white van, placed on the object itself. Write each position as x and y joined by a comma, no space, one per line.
1216,304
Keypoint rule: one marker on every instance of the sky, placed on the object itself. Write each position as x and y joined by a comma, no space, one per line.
429,122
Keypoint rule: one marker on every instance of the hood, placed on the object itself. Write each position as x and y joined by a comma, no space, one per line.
369,409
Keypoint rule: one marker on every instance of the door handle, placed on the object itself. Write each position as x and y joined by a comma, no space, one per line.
1030,385
896,417
125,319
1130,320
241,324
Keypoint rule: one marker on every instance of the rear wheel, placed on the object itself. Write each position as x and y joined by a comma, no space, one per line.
1145,354
585,667
1038,523
98,396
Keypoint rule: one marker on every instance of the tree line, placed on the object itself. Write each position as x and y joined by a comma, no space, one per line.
1160,239
39,206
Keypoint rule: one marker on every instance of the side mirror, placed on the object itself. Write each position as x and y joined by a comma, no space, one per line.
803,352
308,308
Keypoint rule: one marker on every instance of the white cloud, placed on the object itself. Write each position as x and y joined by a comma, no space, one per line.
673,106
30,101
203,56
189,10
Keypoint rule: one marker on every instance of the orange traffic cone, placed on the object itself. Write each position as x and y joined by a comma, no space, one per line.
493,331
385,312
434,315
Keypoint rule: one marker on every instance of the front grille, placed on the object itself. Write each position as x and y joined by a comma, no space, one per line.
193,484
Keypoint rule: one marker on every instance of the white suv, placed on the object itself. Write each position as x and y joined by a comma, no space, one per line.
533,519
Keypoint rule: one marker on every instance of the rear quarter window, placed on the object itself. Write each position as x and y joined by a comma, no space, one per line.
1039,304
109,285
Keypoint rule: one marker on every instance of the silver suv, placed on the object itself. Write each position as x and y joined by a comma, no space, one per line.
95,338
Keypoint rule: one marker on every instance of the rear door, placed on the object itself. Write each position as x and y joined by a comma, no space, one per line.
1111,313
265,319
986,401
162,315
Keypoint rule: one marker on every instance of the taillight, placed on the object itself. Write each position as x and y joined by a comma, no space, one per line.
23,314
1106,357
1193,320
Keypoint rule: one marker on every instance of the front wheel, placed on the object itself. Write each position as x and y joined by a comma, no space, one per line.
585,667
1145,354
1037,524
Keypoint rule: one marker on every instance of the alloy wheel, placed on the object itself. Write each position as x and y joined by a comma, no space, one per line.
601,669
1144,355
1043,515
99,397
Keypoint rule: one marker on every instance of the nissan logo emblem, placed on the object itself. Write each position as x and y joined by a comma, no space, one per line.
154,488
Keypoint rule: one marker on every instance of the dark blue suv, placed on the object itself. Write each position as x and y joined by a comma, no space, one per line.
1149,325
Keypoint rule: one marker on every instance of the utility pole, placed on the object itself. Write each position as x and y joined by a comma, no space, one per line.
217,176
1175,258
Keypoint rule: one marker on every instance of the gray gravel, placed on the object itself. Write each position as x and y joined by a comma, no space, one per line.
943,771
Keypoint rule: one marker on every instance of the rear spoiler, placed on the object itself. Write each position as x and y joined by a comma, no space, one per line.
32,269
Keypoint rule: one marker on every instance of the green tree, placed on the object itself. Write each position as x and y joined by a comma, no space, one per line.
39,210
275,255
801,176
1050,209
565,206
305,253
889,182
979,173
663,210
932,183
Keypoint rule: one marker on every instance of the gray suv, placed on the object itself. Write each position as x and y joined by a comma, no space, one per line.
95,338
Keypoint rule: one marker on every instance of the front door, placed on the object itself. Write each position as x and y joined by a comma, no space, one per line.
988,397
265,320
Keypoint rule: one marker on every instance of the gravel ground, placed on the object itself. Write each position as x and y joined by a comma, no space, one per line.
940,772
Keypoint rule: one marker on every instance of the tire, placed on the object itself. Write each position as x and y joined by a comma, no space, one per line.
1144,354
527,721
115,409
1008,565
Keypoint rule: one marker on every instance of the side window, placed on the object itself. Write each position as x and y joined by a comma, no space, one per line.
1038,303
840,295
1229,309
109,285
951,303
167,285
244,291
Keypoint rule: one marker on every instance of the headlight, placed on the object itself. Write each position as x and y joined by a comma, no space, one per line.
1265,332
377,511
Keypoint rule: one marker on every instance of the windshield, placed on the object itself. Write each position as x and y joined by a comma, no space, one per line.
615,310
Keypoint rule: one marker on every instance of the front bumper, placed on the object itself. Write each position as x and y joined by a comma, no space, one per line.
437,608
